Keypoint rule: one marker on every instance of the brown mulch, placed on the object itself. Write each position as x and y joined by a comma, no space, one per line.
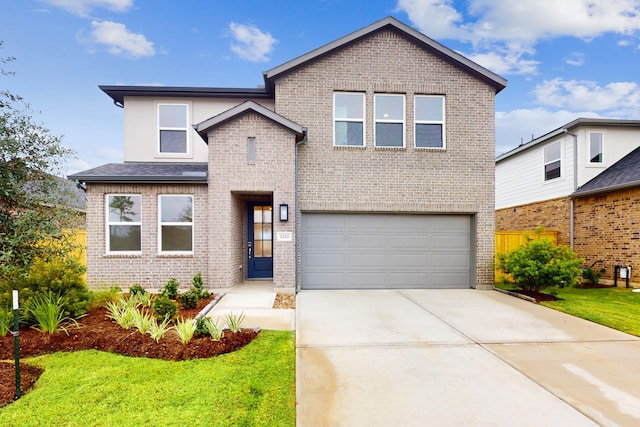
98,331
538,296
285,301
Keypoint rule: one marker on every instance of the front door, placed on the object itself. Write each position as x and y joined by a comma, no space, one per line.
260,241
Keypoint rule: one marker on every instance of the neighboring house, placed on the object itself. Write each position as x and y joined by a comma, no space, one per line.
583,180
366,163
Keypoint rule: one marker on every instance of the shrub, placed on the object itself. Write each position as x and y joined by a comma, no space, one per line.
122,312
137,289
6,322
164,308
185,328
157,330
142,321
592,275
48,312
189,299
212,328
234,322
540,263
170,289
102,298
142,299
198,284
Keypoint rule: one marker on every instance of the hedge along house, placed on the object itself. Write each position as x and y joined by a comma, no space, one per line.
366,163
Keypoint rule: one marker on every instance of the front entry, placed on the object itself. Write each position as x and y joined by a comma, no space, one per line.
260,241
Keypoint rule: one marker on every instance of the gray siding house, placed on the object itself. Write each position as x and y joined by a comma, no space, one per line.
366,163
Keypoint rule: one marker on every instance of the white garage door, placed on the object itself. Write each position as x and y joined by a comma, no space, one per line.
381,251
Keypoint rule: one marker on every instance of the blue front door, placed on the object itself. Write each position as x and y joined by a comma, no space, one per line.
260,241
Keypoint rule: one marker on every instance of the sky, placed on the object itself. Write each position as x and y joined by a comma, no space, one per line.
563,59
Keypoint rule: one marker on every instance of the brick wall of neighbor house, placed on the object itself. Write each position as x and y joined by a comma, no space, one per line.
233,180
459,179
551,214
148,269
607,228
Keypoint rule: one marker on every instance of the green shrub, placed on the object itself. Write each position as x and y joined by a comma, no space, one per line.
137,289
142,321
186,329
48,312
6,322
170,289
189,299
592,275
540,263
198,284
141,299
122,312
164,308
234,322
100,299
158,329
214,330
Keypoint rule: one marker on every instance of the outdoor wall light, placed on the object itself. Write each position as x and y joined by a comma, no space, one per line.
284,212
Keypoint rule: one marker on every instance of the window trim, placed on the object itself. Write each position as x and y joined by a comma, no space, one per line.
392,121
363,120
187,152
161,224
545,163
109,223
417,122
589,156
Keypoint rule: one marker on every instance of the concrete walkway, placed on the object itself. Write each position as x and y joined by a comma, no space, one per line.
255,300
458,358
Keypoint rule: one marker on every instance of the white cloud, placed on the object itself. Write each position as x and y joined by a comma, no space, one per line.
250,43
83,7
575,59
616,98
502,32
120,41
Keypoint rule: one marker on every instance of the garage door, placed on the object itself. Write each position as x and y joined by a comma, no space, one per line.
380,251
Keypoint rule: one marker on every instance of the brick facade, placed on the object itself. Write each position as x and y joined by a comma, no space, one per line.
550,214
459,179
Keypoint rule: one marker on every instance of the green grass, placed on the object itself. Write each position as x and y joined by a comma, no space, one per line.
254,386
617,308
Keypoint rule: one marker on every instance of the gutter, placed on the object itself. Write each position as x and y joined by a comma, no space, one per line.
298,217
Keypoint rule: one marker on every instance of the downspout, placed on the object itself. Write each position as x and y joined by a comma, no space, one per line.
298,217
575,186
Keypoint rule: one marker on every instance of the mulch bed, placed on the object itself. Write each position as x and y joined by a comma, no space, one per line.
97,331
538,296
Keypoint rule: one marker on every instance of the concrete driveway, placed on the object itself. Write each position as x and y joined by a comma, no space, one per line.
458,357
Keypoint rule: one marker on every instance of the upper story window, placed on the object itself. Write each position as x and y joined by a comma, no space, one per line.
172,128
124,223
389,118
176,223
348,119
596,142
552,160
429,121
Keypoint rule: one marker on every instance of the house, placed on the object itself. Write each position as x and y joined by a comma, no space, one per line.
365,163
582,180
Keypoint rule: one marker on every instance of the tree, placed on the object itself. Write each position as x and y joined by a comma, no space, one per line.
33,211
540,263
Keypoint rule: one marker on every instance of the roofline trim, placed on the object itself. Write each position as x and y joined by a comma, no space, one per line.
119,179
609,189
117,93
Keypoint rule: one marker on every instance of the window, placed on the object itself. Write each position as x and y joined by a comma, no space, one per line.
389,116
123,223
176,223
429,119
595,147
172,125
552,161
348,114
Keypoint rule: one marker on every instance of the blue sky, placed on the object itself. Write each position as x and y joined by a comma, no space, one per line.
563,59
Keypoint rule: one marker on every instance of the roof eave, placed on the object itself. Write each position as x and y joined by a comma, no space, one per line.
120,179
118,93
610,189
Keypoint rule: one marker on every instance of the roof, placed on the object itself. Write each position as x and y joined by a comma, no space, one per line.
566,129
248,106
623,174
389,23
117,93
145,173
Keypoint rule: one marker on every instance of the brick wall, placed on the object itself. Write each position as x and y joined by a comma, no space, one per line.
149,269
607,228
459,179
551,214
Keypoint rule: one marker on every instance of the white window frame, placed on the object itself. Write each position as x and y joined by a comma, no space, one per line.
589,155
376,120
109,223
558,159
430,122
169,224
187,151
362,120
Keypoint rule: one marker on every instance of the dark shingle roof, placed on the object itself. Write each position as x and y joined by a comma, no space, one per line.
622,175
145,172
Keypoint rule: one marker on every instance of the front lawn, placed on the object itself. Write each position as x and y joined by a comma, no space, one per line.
617,308
254,386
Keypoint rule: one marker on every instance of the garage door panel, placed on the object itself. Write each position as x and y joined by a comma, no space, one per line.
372,251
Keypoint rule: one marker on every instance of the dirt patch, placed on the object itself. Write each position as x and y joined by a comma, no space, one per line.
98,331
